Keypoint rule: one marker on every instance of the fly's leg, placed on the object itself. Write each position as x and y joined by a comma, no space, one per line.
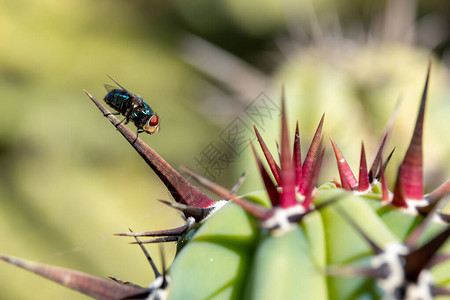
112,113
137,134
115,114
117,125
122,122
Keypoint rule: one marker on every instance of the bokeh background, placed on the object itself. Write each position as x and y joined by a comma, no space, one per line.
68,180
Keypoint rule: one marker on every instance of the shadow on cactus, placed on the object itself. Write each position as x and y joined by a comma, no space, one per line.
307,245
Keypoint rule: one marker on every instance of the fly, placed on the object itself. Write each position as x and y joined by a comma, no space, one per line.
132,107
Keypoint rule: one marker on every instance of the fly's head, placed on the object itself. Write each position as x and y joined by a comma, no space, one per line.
152,125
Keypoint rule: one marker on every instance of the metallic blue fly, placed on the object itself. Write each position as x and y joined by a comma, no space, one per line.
132,107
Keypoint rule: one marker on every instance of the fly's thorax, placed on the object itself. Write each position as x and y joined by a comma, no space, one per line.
143,116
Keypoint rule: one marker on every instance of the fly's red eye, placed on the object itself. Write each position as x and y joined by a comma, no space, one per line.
154,120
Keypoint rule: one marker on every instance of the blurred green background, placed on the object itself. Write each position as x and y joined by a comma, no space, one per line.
68,180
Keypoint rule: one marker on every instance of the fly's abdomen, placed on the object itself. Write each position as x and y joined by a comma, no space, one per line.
119,99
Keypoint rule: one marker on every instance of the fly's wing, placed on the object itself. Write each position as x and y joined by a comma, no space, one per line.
118,84
139,98
109,87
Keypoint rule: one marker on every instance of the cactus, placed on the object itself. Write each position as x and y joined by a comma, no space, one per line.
347,239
